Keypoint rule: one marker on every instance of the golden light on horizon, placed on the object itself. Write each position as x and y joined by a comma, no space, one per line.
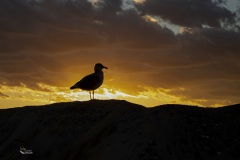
122,86
149,97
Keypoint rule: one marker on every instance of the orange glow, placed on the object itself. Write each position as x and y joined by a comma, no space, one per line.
149,97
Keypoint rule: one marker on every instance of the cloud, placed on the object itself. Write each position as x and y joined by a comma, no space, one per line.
64,25
188,13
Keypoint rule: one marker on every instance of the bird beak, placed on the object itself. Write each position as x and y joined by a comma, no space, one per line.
105,67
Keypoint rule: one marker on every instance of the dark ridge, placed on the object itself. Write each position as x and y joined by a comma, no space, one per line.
119,130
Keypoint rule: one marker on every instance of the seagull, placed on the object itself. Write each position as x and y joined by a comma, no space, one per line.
91,81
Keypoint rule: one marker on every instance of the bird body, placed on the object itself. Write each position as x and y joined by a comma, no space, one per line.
92,81
89,82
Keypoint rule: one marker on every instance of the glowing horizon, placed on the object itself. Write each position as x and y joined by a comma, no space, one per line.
149,97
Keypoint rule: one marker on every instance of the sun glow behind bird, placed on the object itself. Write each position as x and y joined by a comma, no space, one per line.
50,94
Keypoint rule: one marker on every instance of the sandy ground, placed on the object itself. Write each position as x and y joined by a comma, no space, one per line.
119,130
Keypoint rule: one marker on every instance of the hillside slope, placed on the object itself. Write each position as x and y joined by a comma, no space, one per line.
119,130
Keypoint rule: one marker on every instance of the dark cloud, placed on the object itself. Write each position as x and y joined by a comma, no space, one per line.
110,7
191,13
55,25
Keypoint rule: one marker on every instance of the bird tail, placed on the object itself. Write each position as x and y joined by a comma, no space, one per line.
73,87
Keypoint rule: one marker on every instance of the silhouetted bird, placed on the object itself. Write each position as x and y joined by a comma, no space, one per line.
91,81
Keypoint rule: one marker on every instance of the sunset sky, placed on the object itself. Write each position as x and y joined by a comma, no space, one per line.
157,51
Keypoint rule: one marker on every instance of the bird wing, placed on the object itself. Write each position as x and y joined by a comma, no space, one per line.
88,82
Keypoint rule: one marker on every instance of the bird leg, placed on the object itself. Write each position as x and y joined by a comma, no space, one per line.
90,95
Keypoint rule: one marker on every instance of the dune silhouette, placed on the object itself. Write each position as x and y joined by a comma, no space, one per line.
92,81
119,130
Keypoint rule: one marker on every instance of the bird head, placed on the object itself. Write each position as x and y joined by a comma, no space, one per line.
98,67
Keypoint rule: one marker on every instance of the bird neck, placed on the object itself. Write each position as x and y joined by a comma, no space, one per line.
99,71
